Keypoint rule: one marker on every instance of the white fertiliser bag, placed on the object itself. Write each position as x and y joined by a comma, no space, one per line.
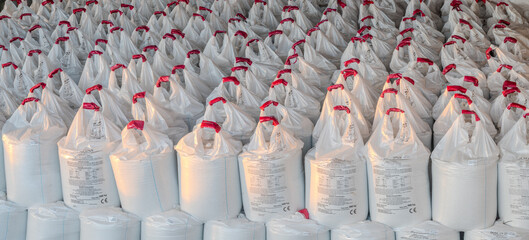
364,230
464,176
271,169
399,187
296,226
171,225
426,230
144,166
86,172
208,173
30,153
52,221
14,218
239,228
109,224
335,172
512,174
499,231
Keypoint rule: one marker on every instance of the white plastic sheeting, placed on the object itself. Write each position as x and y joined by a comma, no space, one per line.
208,173
86,172
335,172
399,187
52,221
30,139
295,227
464,176
271,170
239,228
145,169
109,223
427,230
498,231
512,170
364,230
173,224
14,219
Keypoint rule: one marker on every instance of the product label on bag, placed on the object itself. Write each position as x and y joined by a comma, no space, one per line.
518,180
334,187
422,234
267,186
394,189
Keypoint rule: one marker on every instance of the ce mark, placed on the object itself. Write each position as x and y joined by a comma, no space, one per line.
413,210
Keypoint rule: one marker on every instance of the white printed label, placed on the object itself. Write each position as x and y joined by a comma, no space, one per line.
335,187
393,189
518,192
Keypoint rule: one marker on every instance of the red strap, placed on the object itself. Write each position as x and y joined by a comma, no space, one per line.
510,91
425,60
516,105
234,20
237,68
130,7
77,10
504,22
172,3
352,60
242,59
61,39
138,56
328,10
116,11
200,16
178,32
406,31
160,12
91,106
499,26
471,79
357,39
362,29
4,17
241,16
286,20
15,39
119,65
312,30
449,68
260,1
342,108
47,2
409,79
504,4
161,80
471,112
145,28
71,29
342,4
3,47
305,213
7,64
29,99
289,58
267,104
509,84
453,88
241,33
91,2
101,41
409,18
251,41
283,71
195,51
116,28
488,53
298,43
209,124
349,72
34,27
367,36
24,15
504,66
52,73
510,39
269,118
138,95
463,21
394,110
393,76
218,32
97,87
367,2
178,67
449,43
459,38
336,86
38,85
216,100
367,17
150,47
418,12
136,124
403,43
201,8
232,79
389,90
463,96
31,52
290,8
279,81
272,33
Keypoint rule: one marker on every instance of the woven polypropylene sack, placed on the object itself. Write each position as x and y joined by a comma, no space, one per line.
52,221
173,224
109,224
